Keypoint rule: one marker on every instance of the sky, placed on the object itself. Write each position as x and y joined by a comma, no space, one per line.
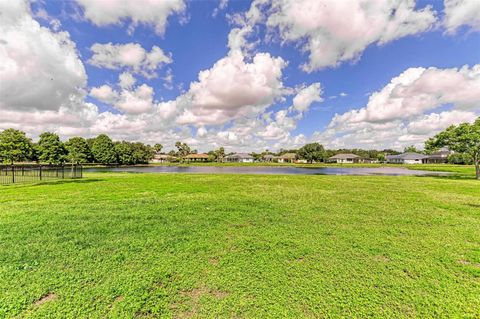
244,75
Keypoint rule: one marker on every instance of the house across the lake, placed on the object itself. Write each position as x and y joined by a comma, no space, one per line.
408,158
345,158
239,158
270,158
287,158
201,157
439,157
163,158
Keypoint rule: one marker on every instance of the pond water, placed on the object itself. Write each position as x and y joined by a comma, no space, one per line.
289,170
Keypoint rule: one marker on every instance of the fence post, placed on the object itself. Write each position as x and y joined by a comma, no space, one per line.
13,174
40,172
63,171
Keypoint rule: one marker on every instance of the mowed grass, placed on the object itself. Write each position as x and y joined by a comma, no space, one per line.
245,246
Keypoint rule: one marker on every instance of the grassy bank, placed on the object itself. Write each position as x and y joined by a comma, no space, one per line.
160,245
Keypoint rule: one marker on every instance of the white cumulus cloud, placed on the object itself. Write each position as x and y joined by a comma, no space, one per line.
131,99
418,90
462,13
42,78
405,110
153,13
131,56
39,68
234,88
330,31
306,96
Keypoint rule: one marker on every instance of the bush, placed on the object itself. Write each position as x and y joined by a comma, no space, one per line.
459,158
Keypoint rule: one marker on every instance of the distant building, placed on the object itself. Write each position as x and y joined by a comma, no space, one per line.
287,158
345,158
163,158
239,158
407,158
269,158
201,157
440,157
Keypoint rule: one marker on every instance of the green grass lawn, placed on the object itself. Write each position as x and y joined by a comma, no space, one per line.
244,246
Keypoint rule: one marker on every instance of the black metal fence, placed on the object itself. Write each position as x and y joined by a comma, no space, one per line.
10,174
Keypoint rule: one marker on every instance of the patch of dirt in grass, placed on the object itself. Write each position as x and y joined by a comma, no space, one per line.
381,258
48,297
307,311
194,294
118,299
219,294
193,297
407,310
213,261
466,262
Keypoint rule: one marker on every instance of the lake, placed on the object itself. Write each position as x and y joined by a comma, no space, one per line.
289,170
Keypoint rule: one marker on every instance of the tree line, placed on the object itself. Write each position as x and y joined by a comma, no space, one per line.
15,146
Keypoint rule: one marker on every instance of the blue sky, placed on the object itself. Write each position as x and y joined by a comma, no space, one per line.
439,41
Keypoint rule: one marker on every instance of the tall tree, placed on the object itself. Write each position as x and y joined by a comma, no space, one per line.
142,153
15,146
124,152
311,152
103,150
411,149
182,149
464,139
217,155
381,157
78,150
158,147
51,149
35,153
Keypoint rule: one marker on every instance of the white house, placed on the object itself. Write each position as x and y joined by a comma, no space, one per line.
239,158
407,158
287,158
345,158
162,158
270,158
439,157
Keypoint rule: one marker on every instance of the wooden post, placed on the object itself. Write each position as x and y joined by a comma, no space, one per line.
40,172
13,173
